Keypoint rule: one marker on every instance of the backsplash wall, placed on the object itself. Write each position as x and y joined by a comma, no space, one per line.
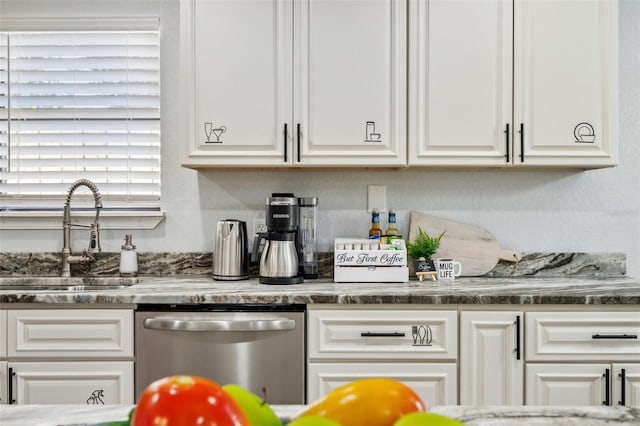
537,265
595,211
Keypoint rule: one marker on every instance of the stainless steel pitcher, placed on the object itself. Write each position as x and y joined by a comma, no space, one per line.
279,258
231,251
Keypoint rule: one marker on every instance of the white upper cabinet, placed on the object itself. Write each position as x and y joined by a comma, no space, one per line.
566,91
293,82
350,82
460,82
563,83
236,69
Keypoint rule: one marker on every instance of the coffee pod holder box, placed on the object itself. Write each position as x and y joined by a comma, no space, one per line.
363,260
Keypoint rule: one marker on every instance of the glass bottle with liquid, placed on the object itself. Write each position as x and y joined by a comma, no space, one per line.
392,232
375,232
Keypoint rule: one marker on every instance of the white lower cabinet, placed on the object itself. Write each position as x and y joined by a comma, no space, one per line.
92,383
583,358
3,332
3,355
68,356
435,383
415,346
3,382
491,358
626,384
532,355
65,333
566,384
583,384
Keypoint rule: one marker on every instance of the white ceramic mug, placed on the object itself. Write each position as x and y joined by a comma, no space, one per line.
448,269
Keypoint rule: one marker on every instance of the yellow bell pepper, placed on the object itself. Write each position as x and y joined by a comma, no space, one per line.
370,402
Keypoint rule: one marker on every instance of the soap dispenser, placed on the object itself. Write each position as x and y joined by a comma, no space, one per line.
128,258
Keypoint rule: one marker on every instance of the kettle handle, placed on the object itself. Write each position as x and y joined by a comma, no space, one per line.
256,245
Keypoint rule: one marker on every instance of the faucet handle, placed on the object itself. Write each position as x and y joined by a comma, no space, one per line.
87,256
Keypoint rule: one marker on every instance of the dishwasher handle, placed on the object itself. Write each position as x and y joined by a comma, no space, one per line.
177,324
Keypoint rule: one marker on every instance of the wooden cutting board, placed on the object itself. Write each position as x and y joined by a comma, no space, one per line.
475,248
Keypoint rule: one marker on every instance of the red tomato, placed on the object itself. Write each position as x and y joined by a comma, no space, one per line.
187,401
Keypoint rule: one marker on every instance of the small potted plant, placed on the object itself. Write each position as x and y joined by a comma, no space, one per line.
421,250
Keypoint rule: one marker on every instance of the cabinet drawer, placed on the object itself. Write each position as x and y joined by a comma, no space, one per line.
608,336
92,383
73,333
382,334
434,382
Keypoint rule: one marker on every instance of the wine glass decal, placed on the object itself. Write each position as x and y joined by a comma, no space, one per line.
208,130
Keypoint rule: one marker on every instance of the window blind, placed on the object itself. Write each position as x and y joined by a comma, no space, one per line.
79,104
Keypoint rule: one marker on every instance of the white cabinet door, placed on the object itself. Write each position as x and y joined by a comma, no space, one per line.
72,382
491,366
435,383
566,91
3,383
626,384
273,83
350,82
564,83
3,332
460,82
566,384
236,81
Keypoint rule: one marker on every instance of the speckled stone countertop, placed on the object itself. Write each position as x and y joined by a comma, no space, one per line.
198,290
67,415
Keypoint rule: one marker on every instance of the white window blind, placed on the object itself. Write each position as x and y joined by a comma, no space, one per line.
79,104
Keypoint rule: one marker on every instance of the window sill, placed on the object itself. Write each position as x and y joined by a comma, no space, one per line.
108,220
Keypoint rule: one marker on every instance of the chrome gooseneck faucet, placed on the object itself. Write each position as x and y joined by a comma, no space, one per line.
94,240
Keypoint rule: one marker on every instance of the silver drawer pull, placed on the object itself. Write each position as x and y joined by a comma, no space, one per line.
171,324
392,334
614,336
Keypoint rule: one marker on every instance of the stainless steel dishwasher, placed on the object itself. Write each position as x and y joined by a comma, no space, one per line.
253,346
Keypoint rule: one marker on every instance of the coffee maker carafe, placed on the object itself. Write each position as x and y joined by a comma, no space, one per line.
279,258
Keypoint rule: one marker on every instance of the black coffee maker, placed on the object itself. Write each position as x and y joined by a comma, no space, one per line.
279,258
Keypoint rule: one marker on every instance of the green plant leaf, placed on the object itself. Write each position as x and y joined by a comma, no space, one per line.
424,245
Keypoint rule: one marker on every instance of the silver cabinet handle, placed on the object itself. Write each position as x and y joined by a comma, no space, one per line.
177,324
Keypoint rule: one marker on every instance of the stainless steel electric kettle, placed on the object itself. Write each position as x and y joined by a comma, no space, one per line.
231,251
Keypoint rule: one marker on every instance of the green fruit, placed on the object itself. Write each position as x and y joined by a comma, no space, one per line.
312,421
126,422
422,418
255,408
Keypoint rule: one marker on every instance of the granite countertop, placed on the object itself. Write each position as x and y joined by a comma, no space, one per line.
65,415
195,290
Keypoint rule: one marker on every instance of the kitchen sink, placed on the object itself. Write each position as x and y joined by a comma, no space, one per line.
31,283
